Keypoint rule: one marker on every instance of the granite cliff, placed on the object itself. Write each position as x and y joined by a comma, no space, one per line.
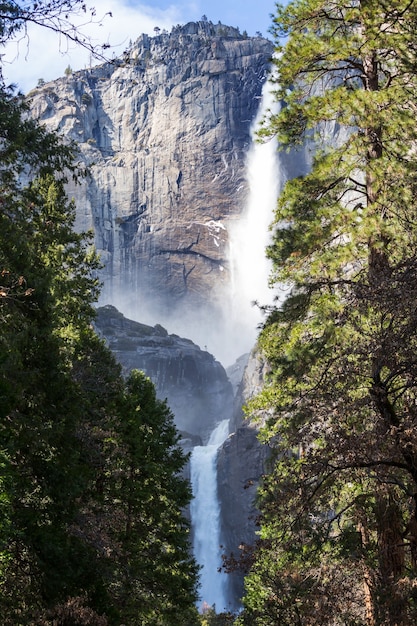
165,131
194,384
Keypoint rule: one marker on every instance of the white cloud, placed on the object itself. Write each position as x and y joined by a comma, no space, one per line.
42,54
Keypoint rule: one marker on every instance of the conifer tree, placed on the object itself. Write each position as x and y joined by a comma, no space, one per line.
155,570
339,520
91,498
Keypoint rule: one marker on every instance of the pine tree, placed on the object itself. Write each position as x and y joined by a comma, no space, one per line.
91,500
155,569
46,304
339,509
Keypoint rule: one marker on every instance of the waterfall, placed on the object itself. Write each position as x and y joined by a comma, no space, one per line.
205,518
250,236
249,271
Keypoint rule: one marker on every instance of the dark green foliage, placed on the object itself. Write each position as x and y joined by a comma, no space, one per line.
46,304
155,570
338,507
91,499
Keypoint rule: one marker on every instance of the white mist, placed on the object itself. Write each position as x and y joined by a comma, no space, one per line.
205,519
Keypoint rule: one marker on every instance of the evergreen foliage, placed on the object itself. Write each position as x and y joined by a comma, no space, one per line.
154,569
92,498
339,522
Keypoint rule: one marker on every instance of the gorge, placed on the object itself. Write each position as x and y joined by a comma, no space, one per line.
167,132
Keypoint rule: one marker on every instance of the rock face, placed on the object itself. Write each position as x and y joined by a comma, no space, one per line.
195,385
241,462
165,131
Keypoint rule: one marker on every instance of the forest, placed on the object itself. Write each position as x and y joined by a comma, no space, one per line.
338,529
92,498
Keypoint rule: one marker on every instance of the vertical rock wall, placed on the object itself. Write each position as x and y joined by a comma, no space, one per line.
241,462
165,131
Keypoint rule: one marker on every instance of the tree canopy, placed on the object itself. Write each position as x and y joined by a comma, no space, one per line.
92,493
339,520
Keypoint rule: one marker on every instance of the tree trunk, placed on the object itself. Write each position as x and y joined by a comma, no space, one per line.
393,604
368,583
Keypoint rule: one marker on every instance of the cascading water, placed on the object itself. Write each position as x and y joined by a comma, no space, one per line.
250,269
249,237
205,516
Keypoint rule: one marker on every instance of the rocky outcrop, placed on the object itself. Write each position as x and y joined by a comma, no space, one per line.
241,462
165,131
193,382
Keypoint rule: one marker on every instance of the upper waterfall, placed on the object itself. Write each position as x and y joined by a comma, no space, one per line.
250,236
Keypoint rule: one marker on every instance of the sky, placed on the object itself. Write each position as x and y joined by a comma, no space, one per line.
40,54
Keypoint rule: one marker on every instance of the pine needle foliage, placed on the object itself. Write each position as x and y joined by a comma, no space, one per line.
339,520
92,496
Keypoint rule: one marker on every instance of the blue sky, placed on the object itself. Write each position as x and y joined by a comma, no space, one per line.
43,55
249,15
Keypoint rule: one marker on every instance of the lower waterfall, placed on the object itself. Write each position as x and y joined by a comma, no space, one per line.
205,519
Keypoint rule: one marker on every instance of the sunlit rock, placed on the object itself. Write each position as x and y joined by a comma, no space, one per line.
165,131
